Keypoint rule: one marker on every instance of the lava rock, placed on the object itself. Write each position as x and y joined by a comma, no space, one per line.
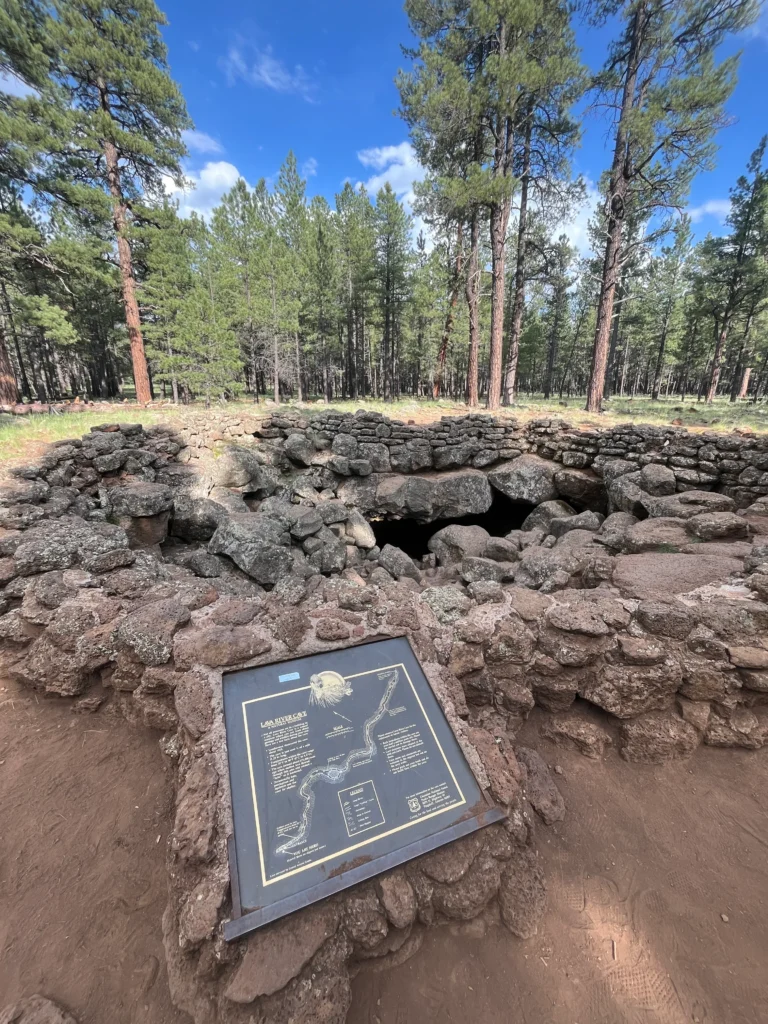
528,479
656,738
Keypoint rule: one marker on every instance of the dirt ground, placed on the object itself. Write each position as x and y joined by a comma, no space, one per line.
639,874
84,805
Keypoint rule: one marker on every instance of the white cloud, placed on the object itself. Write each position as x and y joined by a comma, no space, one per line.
13,86
309,168
397,165
204,188
261,68
199,142
717,208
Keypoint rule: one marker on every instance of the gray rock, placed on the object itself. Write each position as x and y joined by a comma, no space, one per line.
140,499
500,549
147,633
583,521
397,563
360,531
448,603
330,554
626,495
236,467
527,479
614,530
487,592
195,518
346,445
299,449
581,486
256,544
377,455
546,513
657,480
424,498
688,504
473,570
455,542
718,526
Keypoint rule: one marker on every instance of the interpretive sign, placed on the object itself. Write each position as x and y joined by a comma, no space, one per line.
342,765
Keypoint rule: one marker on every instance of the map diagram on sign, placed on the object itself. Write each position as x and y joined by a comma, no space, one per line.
331,692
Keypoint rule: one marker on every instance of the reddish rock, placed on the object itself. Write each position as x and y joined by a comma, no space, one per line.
522,894
194,825
35,1010
218,646
398,899
467,897
148,632
364,919
657,737
192,699
540,789
575,730
276,954
332,629
450,863
749,657
504,788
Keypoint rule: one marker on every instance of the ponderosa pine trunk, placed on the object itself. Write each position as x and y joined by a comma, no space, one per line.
472,290
744,388
442,352
499,222
8,389
618,189
127,279
518,305
714,377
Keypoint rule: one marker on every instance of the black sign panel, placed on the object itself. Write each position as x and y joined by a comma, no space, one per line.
342,765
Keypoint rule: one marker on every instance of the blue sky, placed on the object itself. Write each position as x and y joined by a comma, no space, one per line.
260,79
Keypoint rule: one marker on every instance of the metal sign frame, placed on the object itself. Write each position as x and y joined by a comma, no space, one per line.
276,716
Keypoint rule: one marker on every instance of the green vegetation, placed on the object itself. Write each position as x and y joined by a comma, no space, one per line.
106,292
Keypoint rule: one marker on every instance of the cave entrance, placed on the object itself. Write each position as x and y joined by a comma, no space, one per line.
413,537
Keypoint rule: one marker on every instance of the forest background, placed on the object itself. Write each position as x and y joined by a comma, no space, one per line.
472,291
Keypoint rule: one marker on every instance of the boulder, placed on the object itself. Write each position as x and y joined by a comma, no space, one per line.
545,513
626,495
195,518
454,543
139,499
449,604
473,570
218,646
630,690
299,449
147,632
688,504
522,893
397,563
665,535
575,730
256,544
543,795
359,531
737,728
425,498
660,575
583,521
657,480
528,479
500,549
276,954
666,618
581,486
613,532
717,526
657,737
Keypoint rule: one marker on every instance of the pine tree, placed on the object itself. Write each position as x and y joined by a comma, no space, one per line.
126,114
662,80
392,260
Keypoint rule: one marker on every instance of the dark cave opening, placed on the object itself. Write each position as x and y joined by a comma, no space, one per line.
412,537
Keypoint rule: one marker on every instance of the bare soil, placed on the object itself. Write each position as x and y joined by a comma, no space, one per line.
84,815
639,874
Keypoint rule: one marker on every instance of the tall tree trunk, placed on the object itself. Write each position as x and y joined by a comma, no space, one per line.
472,290
351,362
660,360
275,353
299,389
127,279
744,388
8,389
518,305
27,390
610,373
714,376
619,183
442,352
